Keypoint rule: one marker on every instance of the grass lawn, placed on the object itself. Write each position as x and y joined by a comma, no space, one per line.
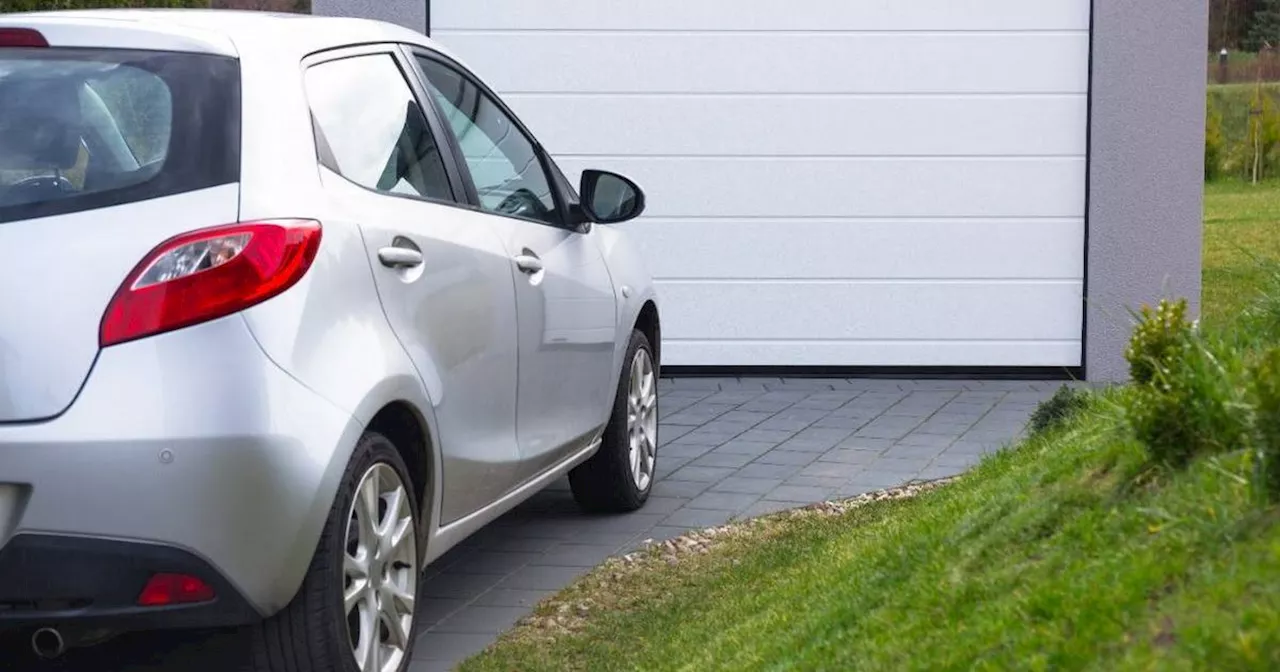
1242,227
1075,550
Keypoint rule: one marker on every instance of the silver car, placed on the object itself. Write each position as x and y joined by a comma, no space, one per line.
289,306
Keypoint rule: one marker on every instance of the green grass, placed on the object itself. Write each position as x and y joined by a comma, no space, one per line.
1241,229
1074,550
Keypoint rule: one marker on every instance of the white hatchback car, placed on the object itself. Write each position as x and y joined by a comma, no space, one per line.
290,306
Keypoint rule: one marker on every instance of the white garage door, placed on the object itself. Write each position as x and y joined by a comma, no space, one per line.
831,182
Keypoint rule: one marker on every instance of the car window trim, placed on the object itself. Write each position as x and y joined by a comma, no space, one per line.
413,51
456,185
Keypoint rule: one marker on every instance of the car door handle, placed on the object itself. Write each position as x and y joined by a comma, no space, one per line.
399,257
528,263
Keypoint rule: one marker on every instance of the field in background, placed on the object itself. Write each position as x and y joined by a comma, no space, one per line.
1241,228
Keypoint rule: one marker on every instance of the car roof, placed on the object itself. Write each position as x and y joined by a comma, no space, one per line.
214,30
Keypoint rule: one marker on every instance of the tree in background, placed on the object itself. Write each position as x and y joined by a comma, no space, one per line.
40,5
303,6
1265,28
1229,22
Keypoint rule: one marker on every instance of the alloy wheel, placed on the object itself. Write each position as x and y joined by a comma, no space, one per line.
380,571
642,419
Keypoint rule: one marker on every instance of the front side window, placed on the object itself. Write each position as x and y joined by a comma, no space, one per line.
504,165
376,134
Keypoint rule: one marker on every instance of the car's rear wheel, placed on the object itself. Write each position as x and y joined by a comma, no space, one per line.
355,610
620,476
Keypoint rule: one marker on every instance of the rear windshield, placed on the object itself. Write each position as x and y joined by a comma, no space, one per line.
91,128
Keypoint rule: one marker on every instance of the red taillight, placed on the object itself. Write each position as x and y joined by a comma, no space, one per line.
207,274
166,589
22,37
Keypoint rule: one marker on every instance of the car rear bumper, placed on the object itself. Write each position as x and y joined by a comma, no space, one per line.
60,580
187,450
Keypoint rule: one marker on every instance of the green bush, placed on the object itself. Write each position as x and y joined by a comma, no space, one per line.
1266,391
1156,339
1229,126
1062,406
1195,403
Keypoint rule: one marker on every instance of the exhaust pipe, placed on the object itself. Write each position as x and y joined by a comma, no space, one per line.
48,643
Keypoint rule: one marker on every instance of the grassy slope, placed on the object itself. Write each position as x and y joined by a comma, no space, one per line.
1242,226
1066,553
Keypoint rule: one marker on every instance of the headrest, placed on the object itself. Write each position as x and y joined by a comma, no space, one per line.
40,123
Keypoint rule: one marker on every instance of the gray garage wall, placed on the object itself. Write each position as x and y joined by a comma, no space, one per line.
408,13
1146,158
1146,167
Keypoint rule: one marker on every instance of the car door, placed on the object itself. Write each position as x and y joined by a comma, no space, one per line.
564,294
441,270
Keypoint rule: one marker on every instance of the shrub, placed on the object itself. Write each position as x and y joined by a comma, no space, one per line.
1159,334
1195,402
1062,406
1214,142
1266,391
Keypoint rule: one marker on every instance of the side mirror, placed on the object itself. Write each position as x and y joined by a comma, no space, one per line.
610,198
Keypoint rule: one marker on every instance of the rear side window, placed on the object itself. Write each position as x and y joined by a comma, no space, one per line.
92,128
371,129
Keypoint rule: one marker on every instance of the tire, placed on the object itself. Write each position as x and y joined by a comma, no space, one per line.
312,634
608,482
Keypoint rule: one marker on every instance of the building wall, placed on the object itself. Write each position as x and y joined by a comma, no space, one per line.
1146,201
408,13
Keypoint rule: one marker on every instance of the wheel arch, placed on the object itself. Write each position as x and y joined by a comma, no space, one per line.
649,322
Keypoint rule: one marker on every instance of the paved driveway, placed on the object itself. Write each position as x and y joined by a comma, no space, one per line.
731,448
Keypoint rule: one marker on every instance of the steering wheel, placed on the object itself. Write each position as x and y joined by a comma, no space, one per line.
522,203
37,188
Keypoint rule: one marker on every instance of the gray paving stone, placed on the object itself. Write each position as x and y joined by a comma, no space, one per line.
788,457
833,421
664,504
769,406
749,417
856,442
575,555
825,482
774,436
923,440
492,562
668,433
512,597
847,456
798,493
687,450
542,578
765,507
758,469
935,472
723,501
701,474
664,532
831,470
714,459
459,586
802,446
699,518
423,665
712,439
905,467
917,454
432,610
685,489
449,646
480,620
949,459
747,486
740,447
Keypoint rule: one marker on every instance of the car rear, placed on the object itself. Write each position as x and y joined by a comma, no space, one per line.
146,440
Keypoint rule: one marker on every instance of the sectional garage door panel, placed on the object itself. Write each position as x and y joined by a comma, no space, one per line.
606,126
664,63
852,187
869,249
738,15
830,183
